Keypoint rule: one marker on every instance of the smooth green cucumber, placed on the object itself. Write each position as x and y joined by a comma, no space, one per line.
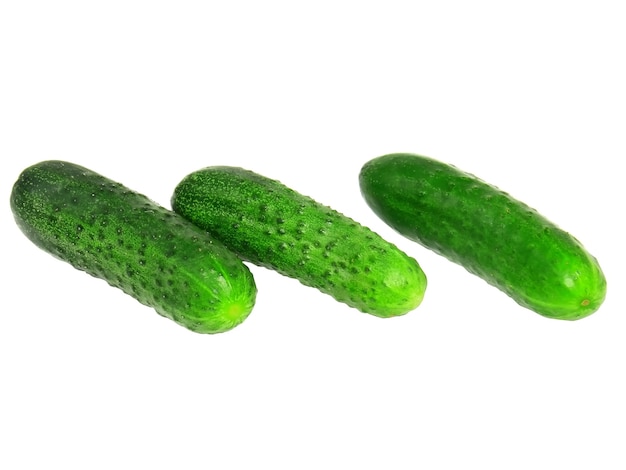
487,231
151,253
274,226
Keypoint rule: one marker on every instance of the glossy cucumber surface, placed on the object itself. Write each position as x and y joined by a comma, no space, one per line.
154,255
487,231
274,226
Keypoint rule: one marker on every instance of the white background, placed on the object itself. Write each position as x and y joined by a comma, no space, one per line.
529,96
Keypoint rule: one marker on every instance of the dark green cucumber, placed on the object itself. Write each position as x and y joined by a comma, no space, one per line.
273,226
151,253
491,234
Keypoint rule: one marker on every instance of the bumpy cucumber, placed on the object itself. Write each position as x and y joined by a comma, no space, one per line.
273,226
152,254
484,229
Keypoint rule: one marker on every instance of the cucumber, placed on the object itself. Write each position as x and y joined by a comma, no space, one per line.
149,252
482,228
275,227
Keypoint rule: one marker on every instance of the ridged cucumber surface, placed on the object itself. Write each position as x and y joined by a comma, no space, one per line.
273,226
154,255
487,231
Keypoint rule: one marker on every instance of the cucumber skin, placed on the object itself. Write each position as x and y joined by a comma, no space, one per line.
275,227
484,229
149,252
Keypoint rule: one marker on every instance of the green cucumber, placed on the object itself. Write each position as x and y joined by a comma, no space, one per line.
273,226
482,228
151,253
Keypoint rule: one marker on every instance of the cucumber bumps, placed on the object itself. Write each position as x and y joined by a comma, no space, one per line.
275,227
488,232
152,254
